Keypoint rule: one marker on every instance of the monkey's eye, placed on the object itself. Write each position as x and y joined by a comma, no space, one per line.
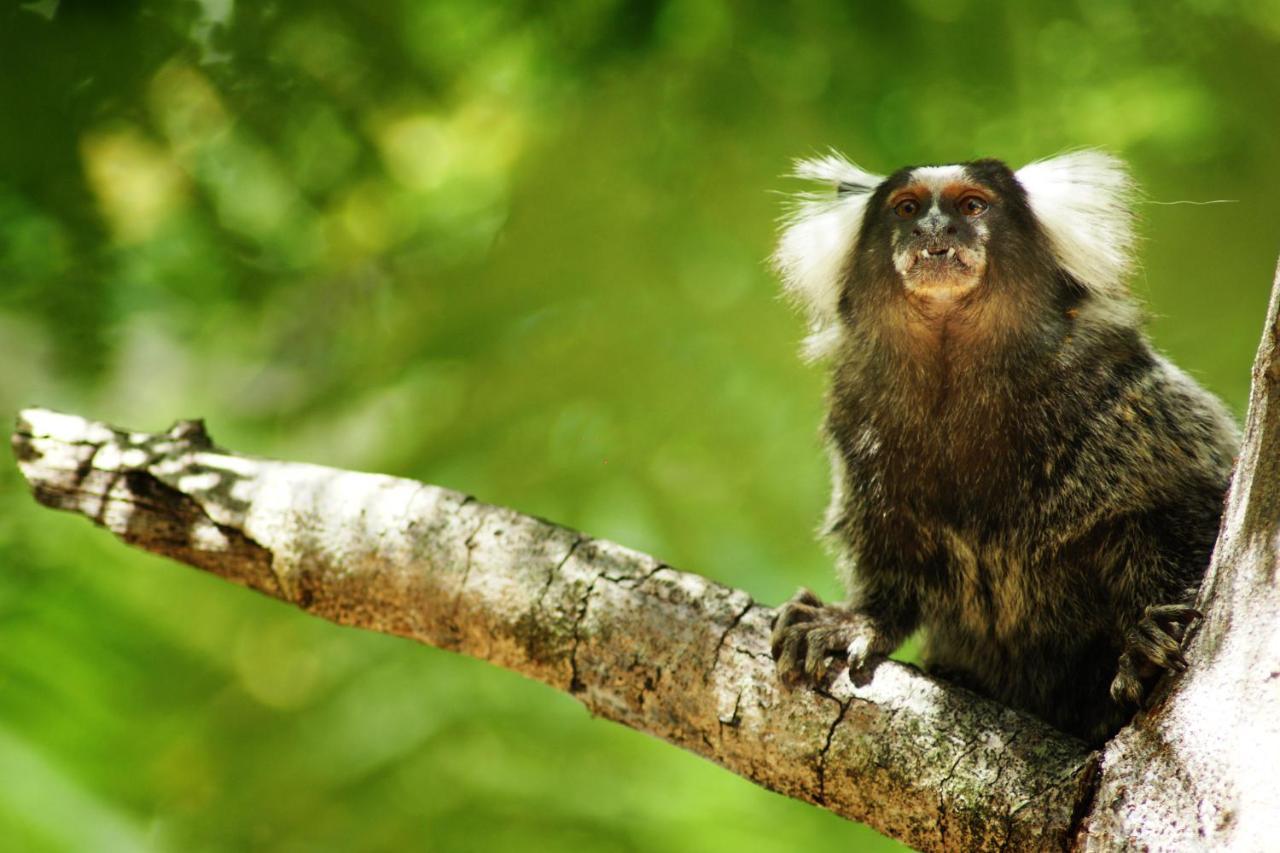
906,208
972,205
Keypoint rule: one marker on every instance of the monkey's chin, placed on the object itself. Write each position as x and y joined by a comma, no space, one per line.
940,290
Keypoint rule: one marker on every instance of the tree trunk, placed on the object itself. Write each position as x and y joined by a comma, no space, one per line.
686,659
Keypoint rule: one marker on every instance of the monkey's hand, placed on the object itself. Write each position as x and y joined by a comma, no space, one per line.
807,632
1152,646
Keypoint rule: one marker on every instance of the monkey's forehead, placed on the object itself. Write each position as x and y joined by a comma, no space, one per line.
935,179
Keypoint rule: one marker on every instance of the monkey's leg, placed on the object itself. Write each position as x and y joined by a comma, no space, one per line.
1152,646
807,632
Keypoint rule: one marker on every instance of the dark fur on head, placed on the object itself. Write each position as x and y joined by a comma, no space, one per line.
1016,470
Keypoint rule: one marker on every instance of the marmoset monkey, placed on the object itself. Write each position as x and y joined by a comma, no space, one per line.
1016,470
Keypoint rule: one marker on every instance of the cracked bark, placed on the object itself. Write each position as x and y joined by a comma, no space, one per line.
686,659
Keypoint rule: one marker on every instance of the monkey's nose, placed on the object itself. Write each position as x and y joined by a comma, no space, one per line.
933,228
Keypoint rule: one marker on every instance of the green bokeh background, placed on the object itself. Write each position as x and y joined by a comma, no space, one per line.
519,250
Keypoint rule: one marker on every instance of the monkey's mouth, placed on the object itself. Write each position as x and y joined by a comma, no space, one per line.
940,270
938,258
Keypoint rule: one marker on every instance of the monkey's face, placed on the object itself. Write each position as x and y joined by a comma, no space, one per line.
938,219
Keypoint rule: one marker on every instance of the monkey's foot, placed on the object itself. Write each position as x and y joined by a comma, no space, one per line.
1151,647
807,632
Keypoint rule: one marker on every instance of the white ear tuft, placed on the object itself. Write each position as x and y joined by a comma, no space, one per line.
817,240
1084,202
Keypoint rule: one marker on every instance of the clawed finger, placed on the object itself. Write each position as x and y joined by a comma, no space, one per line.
789,617
1182,613
1126,688
1152,636
804,606
789,653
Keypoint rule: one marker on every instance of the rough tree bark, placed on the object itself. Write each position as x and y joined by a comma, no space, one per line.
686,659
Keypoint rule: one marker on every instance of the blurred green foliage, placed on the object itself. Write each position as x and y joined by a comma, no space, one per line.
516,249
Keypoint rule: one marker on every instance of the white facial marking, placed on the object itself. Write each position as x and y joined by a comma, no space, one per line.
937,178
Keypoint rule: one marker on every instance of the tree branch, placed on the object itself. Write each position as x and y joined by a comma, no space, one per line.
665,652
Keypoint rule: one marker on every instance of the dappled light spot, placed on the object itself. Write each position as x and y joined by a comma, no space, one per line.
138,186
